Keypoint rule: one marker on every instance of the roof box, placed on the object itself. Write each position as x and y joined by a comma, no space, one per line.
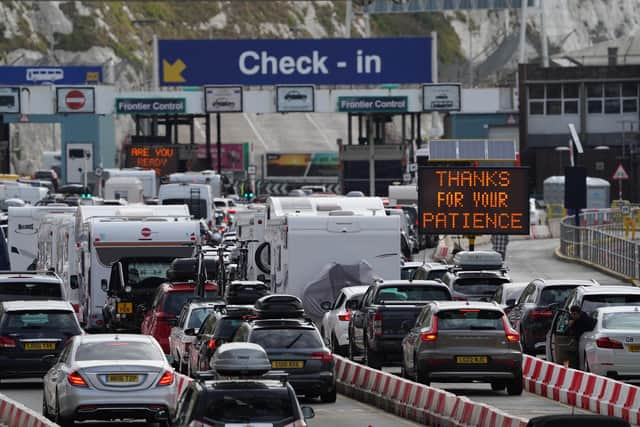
186,269
478,260
279,307
241,292
240,359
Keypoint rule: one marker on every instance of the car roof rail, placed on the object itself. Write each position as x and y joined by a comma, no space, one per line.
31,272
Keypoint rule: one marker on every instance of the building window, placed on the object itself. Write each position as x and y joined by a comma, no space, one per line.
571,107
536,92
536,108
553,99
594,90
554,107
594,106
571,90
629,105
612,98
612,106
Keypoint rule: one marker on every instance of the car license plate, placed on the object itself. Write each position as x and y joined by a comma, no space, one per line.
633,348
39,346
287,364
122,378
124,308
472,360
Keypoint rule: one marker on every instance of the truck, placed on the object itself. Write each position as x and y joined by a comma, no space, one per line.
22,233
385,313
304,234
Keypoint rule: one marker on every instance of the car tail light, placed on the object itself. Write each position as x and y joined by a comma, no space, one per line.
231,211
511,334
606,342
75,379
166,379
432,334
323,356
211,344
345,317
297,423
76,308
540,314
6,342
377,324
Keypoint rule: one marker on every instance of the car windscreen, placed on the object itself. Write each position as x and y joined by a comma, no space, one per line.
470,319
555,294
286,338
20,321
478,285
220,204
624,320
435,274
175,300
30,290
591,302
118,350
245,407
406,273
197,317
197,207
389,294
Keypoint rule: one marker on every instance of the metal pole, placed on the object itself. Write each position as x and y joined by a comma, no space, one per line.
523,32
207,142
434,57
372,157
348,17
349,134
543,36
155,65
219,141
470,48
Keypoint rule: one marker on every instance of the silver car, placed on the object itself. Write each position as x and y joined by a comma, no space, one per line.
110,376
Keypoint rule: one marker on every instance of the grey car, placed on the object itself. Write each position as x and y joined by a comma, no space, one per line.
454,341
110,376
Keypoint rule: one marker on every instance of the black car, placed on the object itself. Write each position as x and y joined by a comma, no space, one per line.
32,334
244,292
216,329
240,402
535,308
295,346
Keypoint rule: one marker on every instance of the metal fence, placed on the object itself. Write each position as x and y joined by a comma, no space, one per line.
600,238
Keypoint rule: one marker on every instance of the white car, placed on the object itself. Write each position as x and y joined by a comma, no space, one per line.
612,348
537,213
110,376
335,323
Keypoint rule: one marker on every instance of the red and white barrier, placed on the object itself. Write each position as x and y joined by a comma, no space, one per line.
584,390
14,414
417,402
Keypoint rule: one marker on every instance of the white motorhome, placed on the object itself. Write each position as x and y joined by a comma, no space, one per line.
146,176
404,194
90,271
26,192
127,188
207,177
250,226
196,196
22,234
305,234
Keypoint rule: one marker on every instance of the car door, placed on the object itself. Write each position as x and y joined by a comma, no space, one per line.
410,341
515,315
332,316
55,377
359,320
563,343
146,326
175,341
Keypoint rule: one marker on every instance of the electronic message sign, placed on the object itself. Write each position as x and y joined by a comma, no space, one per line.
161,158
484,200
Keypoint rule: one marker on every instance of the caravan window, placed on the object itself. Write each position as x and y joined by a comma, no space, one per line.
197,207
76,153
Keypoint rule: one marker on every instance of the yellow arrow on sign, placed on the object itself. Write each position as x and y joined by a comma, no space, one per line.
171,73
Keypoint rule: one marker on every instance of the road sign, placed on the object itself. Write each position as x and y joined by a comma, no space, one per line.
44,75
151,105
223,99
620,173
290,99
441,97
295,61
75,99
372,104
251,170
492,200
9,100
98,172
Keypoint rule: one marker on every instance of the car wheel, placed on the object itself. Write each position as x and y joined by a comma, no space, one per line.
329,396
371,358
62,421
514,386
498,386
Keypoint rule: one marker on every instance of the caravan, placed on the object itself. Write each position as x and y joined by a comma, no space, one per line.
196,196
22,234
122,187
146,176
250,225
17,190
207,177
306,234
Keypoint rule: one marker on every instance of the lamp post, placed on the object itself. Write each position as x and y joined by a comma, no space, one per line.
561,149
143,22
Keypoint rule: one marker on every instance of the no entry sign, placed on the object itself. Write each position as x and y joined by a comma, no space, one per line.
75,99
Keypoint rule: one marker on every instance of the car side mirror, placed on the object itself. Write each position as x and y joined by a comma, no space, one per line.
190,332
326,305
104,285
172,322
307,412
73,282
511,302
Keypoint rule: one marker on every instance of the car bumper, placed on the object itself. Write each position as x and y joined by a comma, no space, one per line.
90,403
390,348
316,383
16,367
442,367
620,364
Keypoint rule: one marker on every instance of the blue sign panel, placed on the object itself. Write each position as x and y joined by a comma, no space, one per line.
307,61
41,75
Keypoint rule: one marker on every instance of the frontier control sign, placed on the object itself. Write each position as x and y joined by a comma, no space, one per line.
151,105
492,200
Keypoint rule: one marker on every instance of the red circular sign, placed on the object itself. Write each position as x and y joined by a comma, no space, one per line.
75,100
145,232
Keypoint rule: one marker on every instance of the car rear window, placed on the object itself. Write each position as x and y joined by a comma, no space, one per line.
555,294
478,285
407,272
244,407
435,274
227,327
197,316
628,320
591,302
470,320
63,321
30,290
175,300
286,338
118,350
411,293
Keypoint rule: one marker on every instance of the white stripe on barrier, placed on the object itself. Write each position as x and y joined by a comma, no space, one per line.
14,414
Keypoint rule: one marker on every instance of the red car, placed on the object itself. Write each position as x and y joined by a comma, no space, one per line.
166,305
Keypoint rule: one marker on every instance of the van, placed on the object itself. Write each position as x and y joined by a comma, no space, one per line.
196,196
